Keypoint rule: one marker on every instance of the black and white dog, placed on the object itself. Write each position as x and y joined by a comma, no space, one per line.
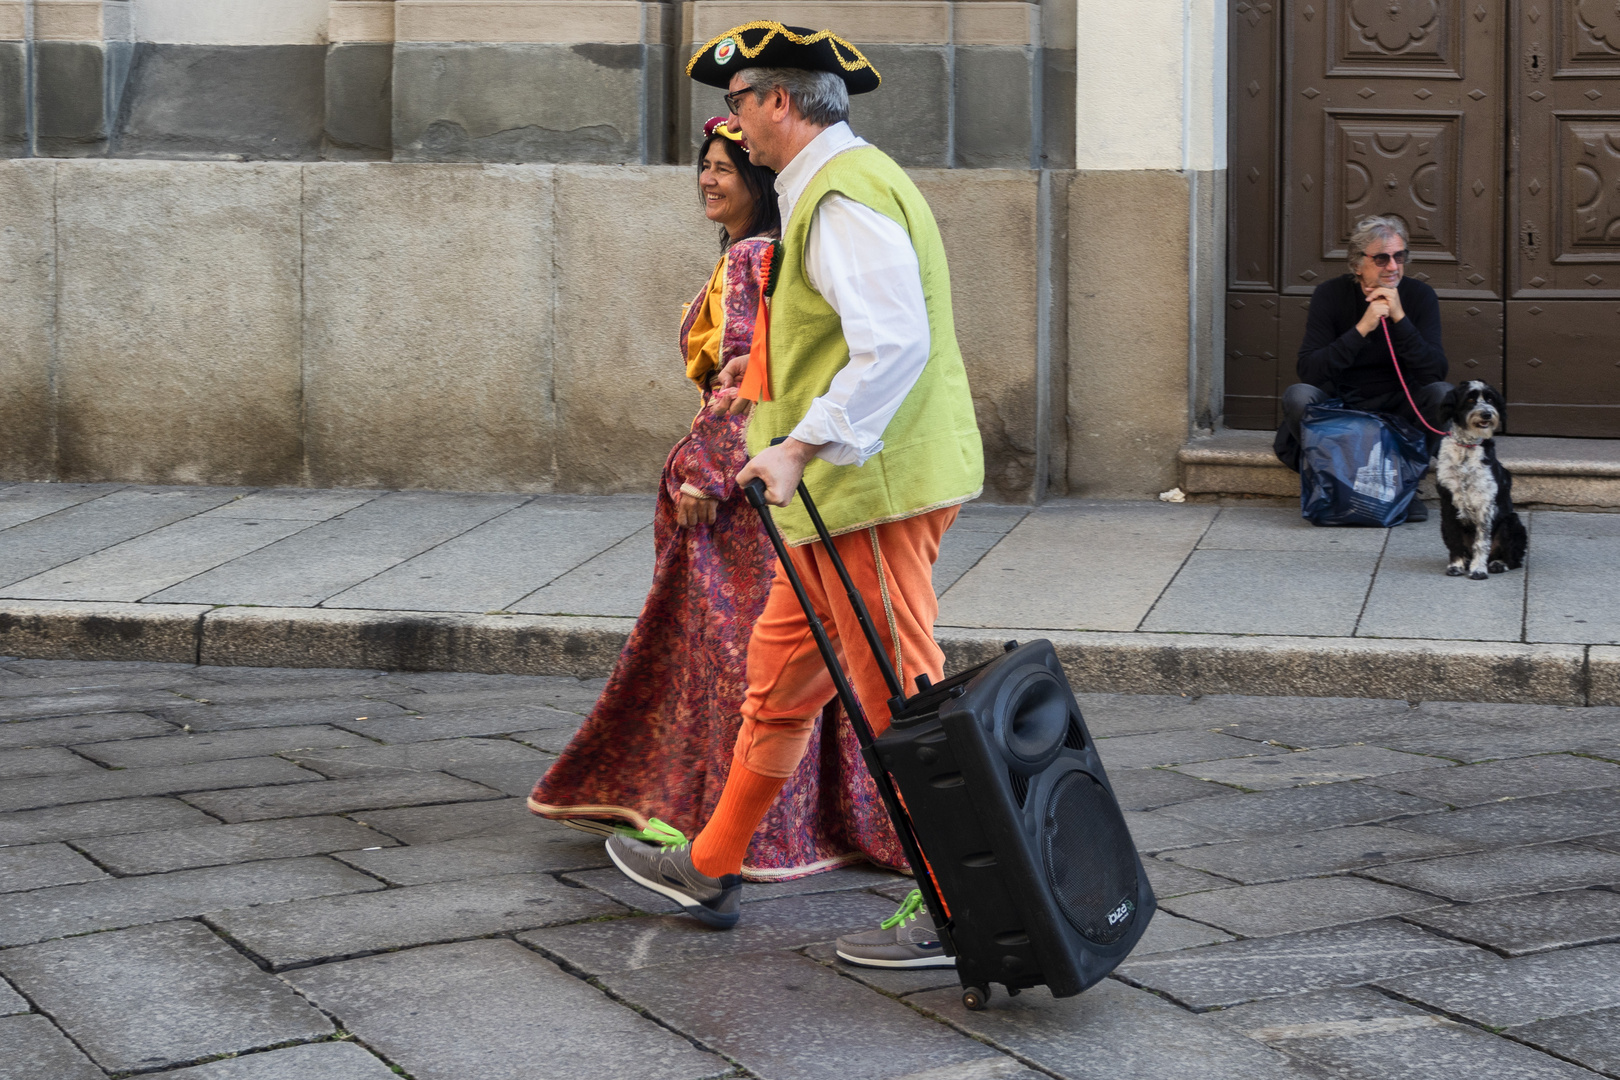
1477,520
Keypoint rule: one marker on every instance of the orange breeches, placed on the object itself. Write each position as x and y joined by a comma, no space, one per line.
788,682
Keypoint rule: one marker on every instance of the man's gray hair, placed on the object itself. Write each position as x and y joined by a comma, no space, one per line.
820,96
1371,229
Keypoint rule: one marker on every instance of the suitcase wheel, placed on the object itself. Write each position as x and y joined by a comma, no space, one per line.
974,997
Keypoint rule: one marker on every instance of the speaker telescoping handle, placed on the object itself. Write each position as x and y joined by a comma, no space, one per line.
754,491
897,692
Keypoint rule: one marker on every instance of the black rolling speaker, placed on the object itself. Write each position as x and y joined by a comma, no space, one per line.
1018,826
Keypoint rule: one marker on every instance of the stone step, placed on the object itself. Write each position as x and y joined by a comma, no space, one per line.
1571,473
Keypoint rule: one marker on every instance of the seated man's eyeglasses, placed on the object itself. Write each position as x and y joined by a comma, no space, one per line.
1381,259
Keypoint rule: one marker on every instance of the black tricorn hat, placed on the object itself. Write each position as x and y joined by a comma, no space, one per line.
770,44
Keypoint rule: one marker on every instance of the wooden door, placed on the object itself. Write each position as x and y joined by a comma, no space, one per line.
1345,108
1563,315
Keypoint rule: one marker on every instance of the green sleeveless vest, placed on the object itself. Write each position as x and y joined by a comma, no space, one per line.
931,456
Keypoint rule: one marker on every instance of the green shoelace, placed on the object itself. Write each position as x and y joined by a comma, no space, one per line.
910,908
657,832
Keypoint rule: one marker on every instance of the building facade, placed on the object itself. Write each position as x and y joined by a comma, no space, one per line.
443,243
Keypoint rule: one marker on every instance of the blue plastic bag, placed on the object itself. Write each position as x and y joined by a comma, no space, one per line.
1358,468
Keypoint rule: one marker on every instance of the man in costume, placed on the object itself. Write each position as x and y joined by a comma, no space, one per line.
863,380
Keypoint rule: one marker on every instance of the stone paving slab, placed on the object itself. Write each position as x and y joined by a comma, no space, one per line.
1171,879
752,1009
361,758
1493,875
168,780
680,941
1303,809
1591,1039
496,564
545,848
1532,924
1266,592
327,558
1233,972
614,582
516,778
97,819
294,504
159,996
11,1002
1564,816
1486,742
152,562
495,1011
978,528
1111,1031
337,796
44,706
1144,714
1576,596
1411,596
1608,841
39,866
468,723
1288,907
25,502
336,927
67,730
1361,1035
1522,990
1085,566
1278,858
76,531
121,902
42,761
1519,778
264,714
1171,748
1170,933
36,1049
216,746
215,845
1273,772
311,1061
453,821
1155,831
1149,789
1321,728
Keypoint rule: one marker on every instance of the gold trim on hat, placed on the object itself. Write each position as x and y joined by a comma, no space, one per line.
859,63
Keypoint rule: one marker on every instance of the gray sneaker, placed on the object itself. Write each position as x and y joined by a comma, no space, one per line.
906,939
668,870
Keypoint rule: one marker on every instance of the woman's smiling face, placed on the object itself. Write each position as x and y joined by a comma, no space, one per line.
726,200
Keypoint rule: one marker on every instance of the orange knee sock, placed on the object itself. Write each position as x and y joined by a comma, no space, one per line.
720,847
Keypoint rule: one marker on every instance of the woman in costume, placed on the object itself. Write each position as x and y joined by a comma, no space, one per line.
653,756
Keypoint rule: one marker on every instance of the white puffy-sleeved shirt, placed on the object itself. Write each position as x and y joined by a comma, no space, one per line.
864,266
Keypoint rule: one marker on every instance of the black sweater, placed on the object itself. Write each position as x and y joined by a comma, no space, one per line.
1335,357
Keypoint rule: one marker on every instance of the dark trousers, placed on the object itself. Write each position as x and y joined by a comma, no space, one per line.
1301,396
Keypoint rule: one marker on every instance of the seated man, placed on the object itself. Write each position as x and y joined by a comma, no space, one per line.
1344,354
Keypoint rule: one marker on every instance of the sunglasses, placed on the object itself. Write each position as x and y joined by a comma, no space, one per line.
1383,257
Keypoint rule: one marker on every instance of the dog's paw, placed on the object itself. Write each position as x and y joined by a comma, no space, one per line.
1497,566
1455,571
1478,575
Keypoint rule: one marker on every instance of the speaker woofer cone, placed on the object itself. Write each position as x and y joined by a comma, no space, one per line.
1090,863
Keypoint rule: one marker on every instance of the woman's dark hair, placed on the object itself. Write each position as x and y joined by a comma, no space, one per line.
761,185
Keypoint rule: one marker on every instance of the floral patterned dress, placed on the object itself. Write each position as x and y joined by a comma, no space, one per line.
659,741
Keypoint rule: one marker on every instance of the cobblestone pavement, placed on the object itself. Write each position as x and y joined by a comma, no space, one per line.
249,874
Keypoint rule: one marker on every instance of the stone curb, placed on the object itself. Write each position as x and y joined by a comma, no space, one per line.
587,647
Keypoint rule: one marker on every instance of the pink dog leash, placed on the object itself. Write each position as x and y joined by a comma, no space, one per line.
1415,411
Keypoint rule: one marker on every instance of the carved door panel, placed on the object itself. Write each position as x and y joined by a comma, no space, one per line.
1395,107
1564,220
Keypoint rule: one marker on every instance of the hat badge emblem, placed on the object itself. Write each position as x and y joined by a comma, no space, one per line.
724,51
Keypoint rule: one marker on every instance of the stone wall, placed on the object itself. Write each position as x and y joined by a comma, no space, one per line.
470,327
967,83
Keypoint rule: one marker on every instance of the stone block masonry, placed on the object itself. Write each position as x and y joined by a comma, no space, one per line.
447,326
